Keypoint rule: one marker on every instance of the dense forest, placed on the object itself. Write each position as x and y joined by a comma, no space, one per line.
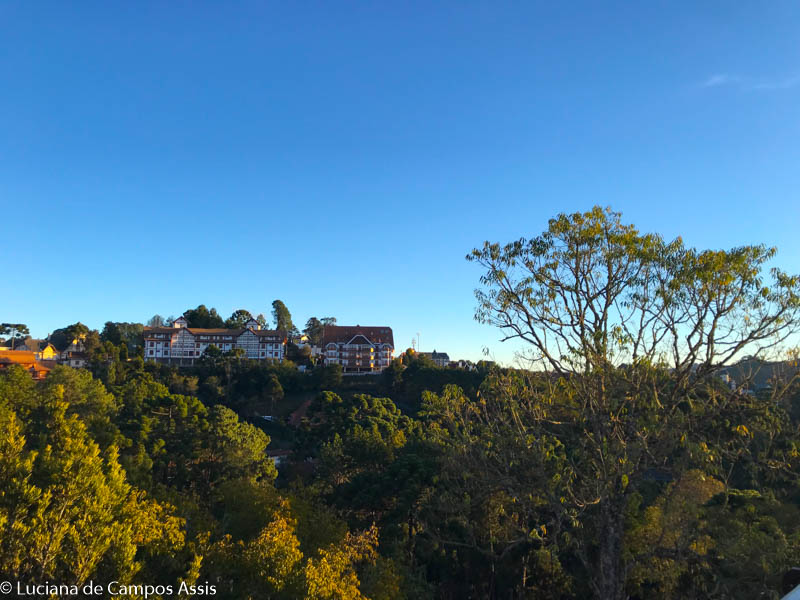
620,464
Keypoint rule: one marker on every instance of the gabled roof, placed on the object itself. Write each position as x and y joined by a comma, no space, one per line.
435,355
360,340
147,329
215,331
344,334
270,333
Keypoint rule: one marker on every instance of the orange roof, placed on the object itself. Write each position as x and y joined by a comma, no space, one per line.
38,371
17,357
26,360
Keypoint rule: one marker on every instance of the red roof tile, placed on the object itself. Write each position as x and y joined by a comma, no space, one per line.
343,334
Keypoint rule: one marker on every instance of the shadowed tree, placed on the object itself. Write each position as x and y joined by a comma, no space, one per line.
118,333
313,330
316,327
238,319
203,318
282,317
273,392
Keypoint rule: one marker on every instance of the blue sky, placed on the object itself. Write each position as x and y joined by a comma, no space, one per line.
344,157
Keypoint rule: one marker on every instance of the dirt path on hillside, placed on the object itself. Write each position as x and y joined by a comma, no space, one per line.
297,416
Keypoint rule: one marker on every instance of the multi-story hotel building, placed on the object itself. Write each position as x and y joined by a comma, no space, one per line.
358,349
182,345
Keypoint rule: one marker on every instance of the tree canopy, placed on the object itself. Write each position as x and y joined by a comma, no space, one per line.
628,331
282,317
651,449
15,331
315,327
203,318
238,319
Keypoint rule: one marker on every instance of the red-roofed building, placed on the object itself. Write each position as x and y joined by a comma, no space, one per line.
358,349
181,345
26,360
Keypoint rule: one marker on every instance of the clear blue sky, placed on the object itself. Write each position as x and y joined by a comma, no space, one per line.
344,157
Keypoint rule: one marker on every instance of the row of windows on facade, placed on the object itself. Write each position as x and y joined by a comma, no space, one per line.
355,346
167,336
165,352
362,352
197,345
384,360
347,363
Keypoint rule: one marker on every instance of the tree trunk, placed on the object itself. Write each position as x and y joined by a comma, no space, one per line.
610,576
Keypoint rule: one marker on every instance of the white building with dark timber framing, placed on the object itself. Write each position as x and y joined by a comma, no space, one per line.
183,346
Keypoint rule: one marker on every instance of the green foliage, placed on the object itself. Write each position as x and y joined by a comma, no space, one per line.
630,331
272,564
327,377
62,338
244,506
273,392
620,466
129,334
299,355
282,317
203,318
753,539
315,327
407,380
236,449
313,330
67,512
238,319
87,398
15,331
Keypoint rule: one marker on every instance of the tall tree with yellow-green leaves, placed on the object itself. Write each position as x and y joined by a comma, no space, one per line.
67,513
626,334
